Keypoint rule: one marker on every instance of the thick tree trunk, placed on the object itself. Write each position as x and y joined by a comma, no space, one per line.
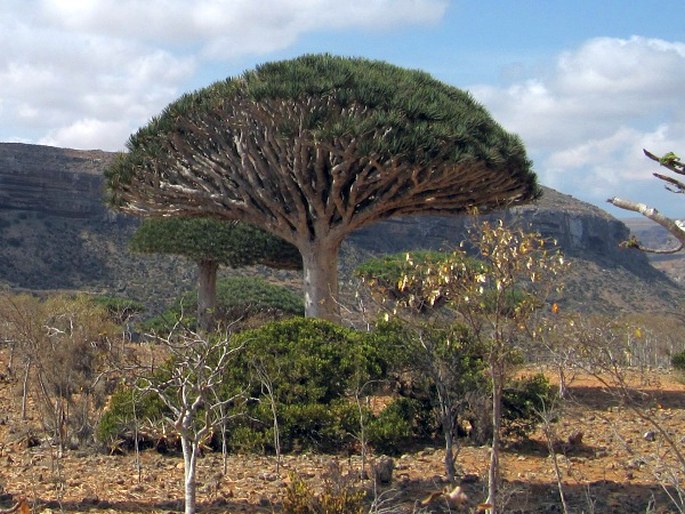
206,294
320,266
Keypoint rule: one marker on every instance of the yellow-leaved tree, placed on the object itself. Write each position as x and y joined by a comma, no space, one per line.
498,296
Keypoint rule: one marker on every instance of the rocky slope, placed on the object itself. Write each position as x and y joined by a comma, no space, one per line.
55,233
604,277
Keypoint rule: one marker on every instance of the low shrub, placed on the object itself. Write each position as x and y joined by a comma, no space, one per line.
312,367
338,495
523,401
237,298
394,428
119,309
678,363
130,414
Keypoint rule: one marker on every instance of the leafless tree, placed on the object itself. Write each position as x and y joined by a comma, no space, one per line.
604,349
188,388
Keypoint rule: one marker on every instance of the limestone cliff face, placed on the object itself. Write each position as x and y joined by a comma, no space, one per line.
584,231
580,230
53,181
56,233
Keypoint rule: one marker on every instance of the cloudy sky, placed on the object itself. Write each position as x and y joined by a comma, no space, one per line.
586,83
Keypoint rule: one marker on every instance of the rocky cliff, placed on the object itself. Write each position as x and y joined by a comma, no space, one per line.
53,181
55,233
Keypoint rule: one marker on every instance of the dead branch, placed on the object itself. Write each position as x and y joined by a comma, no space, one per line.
673,226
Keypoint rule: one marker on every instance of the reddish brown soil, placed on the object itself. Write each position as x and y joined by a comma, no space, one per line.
612,470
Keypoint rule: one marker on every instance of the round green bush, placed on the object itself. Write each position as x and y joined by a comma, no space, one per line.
678,361
312,368
523,401
394,428
128,409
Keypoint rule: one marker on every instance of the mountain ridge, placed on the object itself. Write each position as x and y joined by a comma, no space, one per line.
56,233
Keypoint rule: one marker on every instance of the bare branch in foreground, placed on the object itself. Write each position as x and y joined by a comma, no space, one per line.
674,227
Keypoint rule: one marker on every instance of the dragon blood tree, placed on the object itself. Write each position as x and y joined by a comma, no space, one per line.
210,243
311,149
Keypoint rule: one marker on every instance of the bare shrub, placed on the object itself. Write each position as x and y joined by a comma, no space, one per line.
62,348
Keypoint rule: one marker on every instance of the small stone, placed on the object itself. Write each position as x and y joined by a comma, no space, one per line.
636,463
382,470
470,478
649,436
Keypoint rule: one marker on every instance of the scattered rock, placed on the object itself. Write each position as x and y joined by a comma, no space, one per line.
90,500
649,436
382,470
573,443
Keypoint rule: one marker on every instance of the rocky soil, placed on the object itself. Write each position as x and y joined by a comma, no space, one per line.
617,464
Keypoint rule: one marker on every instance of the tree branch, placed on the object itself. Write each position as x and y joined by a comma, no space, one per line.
680,186
673,164
673,226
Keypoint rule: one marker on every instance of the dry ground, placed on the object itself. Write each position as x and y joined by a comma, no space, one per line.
611,471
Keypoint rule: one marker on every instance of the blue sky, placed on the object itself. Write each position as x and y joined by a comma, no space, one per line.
586,84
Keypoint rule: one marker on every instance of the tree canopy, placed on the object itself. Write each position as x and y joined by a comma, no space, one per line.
211,242
231,244
313,148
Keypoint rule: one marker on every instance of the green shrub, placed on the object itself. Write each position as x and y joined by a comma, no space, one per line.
678,361
128,411
459,361
313,367
522,403
245,439
237,298
425,357
119,309
338,495
395,426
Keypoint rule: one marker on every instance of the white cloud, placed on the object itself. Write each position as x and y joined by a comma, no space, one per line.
229,28
89,133
50,79
87,73
586,120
